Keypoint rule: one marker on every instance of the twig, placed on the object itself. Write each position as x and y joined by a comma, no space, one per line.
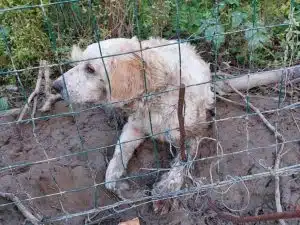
230,101
47,79
247,219
277,184
50,98
223,74
295,121
35,92
279,137
26,213
181,121
35,99
256,110
49,102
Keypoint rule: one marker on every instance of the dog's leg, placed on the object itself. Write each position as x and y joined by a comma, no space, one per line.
169,184
130,139
172,182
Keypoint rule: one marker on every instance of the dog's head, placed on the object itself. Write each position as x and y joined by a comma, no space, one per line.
98,80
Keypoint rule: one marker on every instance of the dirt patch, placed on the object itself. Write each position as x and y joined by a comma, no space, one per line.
42,158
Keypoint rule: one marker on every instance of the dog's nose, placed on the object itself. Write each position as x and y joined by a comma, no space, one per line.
57,85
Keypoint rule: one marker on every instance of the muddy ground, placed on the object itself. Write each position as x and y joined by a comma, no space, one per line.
62,138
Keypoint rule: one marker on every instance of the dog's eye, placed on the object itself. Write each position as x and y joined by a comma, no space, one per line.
90,69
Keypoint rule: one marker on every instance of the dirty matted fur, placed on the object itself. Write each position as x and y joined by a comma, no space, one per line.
126,79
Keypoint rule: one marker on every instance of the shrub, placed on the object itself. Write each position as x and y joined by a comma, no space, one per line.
228,27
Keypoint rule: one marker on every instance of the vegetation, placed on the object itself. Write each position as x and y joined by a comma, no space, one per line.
33,33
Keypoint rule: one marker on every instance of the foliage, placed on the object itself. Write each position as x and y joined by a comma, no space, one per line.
236,29
26,38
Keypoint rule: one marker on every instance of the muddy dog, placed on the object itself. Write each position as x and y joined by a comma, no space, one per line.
130,80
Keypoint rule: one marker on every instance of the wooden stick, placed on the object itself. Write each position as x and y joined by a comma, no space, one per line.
278,156
277,184
47,79
257,79
256,110
49,102
181,121
35,100
247,219
35,92
230,101
50,98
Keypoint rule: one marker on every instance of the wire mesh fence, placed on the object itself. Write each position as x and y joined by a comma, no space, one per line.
246,161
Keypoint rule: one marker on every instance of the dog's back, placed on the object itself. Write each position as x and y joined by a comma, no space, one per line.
195,75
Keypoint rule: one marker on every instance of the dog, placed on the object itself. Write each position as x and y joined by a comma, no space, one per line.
146,84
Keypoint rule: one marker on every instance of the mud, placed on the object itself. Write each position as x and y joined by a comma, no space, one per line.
56,143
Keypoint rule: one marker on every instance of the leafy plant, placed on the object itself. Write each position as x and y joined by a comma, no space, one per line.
237,18
213,31
24,30
256,36
233,27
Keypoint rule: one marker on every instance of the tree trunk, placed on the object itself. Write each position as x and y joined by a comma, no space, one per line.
291,74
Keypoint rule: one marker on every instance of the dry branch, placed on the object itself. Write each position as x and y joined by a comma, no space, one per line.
47,80
256,110
280,138
258,79
26,213
247,219
50,98
35,92
35,101
44,71
49,102
277,184
181,121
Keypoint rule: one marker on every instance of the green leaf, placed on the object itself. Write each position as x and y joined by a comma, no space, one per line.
258,40
237,18
215,34
206,23
233,2
222,5
256,37
3,104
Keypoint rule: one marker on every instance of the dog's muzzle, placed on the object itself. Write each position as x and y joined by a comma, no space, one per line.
58,86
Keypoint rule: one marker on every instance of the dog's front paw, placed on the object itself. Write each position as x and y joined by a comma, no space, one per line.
115,183
166,190
124,190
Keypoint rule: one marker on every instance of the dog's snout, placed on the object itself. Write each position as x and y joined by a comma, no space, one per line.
57,85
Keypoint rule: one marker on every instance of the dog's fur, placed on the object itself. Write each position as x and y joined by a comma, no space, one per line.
89,82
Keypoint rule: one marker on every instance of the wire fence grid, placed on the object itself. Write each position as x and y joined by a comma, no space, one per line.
77,16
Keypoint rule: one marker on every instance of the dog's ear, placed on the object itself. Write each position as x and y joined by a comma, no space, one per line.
76,54
127,78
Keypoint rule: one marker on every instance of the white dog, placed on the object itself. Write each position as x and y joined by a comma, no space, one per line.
126,79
